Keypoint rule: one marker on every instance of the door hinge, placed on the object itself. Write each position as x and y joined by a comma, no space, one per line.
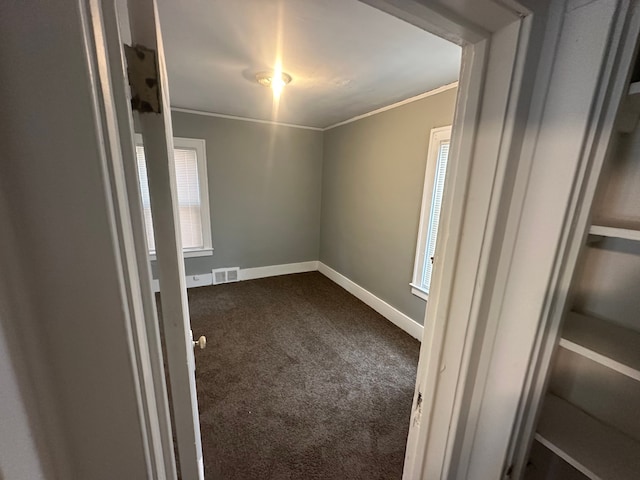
142,70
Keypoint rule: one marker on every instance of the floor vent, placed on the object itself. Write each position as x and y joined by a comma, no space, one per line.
226,275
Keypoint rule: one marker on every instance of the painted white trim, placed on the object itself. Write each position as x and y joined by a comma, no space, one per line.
201,252
204,279
192,281
431,426
389,312
610,363
275,270
200,280
437,137
613,232
435,91
143,330
419,291
158,139
243,119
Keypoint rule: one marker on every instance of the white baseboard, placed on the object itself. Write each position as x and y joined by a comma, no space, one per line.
200,280
249,274
392,314
275,270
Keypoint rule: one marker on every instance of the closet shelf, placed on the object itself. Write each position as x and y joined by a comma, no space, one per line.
634,89
613,346
614,232
633,97
630,110
595,449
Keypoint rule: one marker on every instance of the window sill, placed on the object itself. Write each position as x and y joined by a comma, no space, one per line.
419,292
203,252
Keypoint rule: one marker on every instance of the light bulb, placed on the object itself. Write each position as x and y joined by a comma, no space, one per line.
276,80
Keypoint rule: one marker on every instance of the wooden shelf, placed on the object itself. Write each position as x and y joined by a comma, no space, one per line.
595,449
613,346
614,232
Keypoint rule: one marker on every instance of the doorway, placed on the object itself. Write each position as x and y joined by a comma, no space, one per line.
451,430
469,106
291,178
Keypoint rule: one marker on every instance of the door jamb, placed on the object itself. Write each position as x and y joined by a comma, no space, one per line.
142,328
157,132
110,92
431,351
445,373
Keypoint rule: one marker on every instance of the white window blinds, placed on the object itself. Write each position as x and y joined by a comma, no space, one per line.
189,198
434,215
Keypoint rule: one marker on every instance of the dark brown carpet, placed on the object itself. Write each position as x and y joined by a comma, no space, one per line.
300,380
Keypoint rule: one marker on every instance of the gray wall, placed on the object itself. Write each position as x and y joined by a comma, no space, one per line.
268,184
264,188
371,194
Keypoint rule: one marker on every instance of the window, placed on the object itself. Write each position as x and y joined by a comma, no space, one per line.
193,196
430,213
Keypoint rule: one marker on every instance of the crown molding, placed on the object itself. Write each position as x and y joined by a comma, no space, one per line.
243,119
435,91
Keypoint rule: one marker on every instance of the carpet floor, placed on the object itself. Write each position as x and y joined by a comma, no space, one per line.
300,380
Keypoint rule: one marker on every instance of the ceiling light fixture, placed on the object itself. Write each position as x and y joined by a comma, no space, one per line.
274,80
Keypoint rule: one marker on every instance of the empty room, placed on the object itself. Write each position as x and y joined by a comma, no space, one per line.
290,239
310,161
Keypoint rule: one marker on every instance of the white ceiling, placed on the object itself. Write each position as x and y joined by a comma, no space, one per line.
346,58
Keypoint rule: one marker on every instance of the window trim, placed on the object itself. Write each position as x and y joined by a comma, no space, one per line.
437,136
199,145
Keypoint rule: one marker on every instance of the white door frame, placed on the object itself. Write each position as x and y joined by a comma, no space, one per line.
499,262
478,167
157,134
140,16
108,77
163,445
493,97
485,192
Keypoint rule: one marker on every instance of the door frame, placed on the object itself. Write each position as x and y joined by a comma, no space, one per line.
157,133
106,68
106,24
495,111
489,332
494,97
